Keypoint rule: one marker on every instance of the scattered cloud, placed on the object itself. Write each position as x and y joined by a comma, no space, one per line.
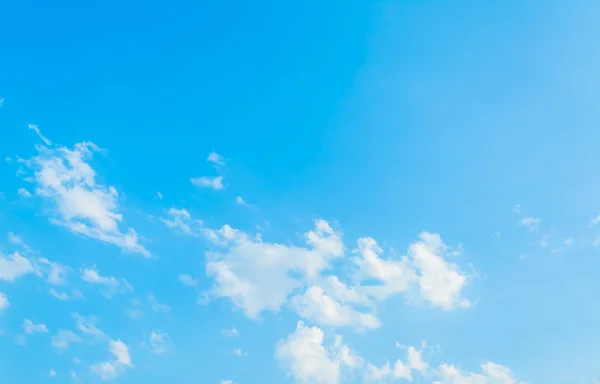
56,273
215,158
159,343
159,195
29,327
155,305
109,370
531,223
215,182
239,352
517,209
65,180
64,338
240,201
111,284
52,373
14,266
491,374
187,280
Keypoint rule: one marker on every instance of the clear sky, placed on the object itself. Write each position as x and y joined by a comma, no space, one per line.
311,192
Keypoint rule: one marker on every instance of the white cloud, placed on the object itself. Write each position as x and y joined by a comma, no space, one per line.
240,201
215,158
215,183
52,373
23,192
87,325
156,306
181,220
491,374
4,303
317,306
257,276
14,266
112,285
120,351
110,370
226,381
159,195
238,352
64,338
306,359
29,327
1,102
424,270
531,223
35,128
517,209
15,239
68,183
187,280
57,273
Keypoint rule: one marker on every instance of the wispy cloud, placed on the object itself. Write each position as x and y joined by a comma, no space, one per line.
531,223
240,201
517,209
64,178
35,128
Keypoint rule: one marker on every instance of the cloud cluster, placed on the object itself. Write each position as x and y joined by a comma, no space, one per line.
306,358
259,276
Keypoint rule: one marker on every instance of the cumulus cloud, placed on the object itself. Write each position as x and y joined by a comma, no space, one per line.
14,266
305,358
425,271
215,182
67,182
258,276
317,306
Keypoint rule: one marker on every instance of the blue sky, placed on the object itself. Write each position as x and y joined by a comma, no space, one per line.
311,192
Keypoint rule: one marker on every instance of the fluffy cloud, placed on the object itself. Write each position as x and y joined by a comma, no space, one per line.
14,266
317,306
306,359
155,305
425,271
56,273
257,276
187,280
63,177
